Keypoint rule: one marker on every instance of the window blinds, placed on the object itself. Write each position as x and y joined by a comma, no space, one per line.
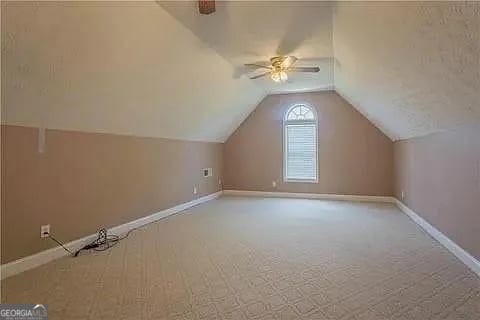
300,152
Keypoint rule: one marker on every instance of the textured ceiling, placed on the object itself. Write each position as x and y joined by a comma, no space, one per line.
410,68
126,68
160,69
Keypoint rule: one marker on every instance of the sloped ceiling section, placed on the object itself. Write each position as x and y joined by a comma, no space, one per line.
250,31
117,67
160,69
411,68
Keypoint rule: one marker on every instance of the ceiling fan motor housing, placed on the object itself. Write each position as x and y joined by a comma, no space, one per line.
277,62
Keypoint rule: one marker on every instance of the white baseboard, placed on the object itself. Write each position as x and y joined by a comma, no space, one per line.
455,249
30,262
267,194
451,246
35,260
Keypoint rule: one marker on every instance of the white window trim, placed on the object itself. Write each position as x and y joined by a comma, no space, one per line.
284,129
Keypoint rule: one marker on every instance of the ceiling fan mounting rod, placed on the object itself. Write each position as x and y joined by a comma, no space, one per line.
206,6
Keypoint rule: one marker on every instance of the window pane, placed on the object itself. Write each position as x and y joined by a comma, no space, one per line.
291,116
301,152
309,115
300,112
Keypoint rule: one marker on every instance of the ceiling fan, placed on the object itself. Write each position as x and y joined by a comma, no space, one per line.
278,68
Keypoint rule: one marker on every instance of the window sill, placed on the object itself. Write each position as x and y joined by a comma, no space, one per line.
301,180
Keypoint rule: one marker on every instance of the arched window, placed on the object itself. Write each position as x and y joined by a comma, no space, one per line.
300,144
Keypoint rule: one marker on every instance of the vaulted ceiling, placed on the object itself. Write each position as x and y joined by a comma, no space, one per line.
117,67
160,69
411,68
249,31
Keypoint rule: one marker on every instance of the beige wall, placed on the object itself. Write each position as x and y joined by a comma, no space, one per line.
85,181
440,175
354,156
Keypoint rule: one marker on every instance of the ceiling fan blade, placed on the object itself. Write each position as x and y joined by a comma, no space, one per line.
257,65
260,75
288,62
304,69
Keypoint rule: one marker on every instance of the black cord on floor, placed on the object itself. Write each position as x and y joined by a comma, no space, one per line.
66,249
103,242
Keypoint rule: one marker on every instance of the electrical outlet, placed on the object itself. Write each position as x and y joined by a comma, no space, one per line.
194,190
403,195
45,231
207,172
274,183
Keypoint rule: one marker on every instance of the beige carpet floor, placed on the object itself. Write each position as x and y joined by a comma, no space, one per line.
241,258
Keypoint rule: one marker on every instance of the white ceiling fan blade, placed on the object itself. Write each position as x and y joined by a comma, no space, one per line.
304,69
260,75
288,62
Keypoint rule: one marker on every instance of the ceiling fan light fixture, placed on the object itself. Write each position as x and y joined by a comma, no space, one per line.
279,76
278,68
